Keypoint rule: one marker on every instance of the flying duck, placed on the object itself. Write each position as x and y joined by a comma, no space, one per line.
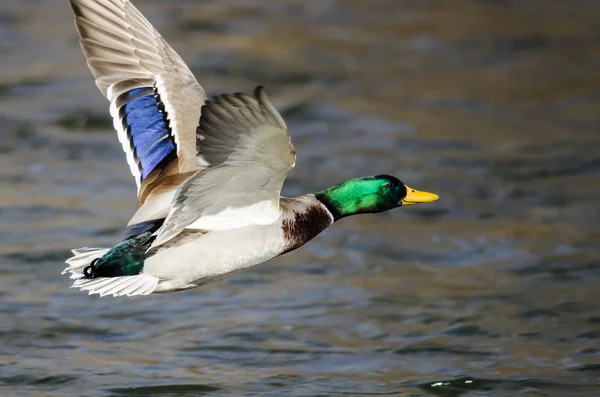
208,172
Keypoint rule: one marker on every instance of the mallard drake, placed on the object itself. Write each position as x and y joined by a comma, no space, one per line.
209,172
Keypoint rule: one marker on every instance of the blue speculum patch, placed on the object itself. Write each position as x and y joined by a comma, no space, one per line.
148,131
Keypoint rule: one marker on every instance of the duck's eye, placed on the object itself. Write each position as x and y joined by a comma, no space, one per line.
388,185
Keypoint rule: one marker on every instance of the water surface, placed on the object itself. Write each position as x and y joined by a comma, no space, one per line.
493,290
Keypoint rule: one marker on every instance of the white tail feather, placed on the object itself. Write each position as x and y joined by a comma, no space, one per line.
140,284
83,257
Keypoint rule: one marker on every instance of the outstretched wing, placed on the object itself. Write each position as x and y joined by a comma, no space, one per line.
248,147
155,99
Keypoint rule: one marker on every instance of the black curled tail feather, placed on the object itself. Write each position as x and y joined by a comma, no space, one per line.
124,259
90,271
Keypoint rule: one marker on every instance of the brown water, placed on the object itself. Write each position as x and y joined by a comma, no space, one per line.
493,290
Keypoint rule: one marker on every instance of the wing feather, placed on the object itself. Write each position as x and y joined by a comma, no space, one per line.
125,53
248,147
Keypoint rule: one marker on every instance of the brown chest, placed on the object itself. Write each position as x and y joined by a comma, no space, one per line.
302,226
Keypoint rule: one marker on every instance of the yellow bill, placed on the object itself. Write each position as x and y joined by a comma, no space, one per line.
415,197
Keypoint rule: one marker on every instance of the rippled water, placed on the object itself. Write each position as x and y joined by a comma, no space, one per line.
493,290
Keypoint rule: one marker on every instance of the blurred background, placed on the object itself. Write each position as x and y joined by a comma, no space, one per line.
492,290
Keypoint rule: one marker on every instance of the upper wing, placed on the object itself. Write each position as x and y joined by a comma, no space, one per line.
155,99
248,147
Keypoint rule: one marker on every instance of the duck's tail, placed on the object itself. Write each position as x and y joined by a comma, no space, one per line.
83,257
139,284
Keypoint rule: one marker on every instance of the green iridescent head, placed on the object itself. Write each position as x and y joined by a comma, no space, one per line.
370,194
